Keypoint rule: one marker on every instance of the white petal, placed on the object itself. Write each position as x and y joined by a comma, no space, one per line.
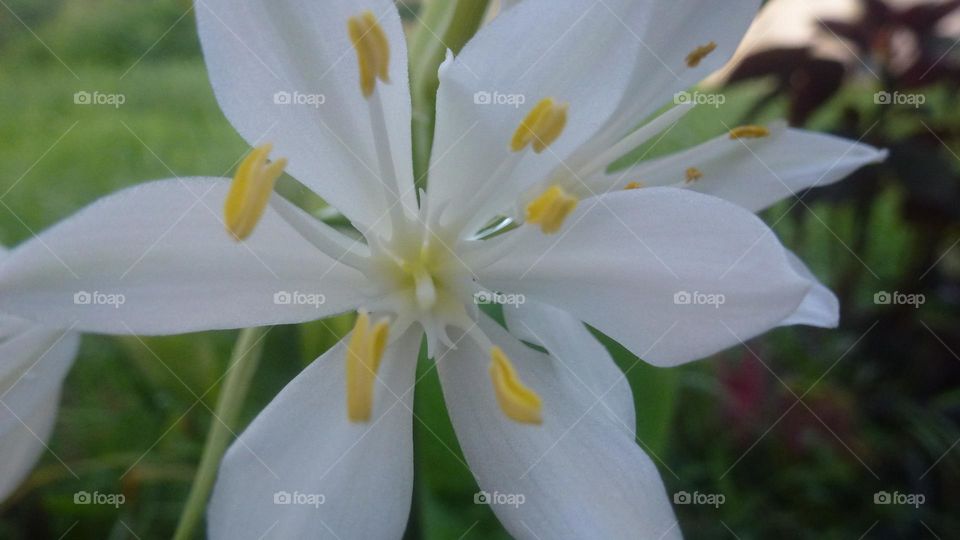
580,474
566,53
624,260
156,259
33,363
820,307
260,52
302,445
572,346
756,173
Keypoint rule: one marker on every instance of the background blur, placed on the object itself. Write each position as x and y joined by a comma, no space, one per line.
802,433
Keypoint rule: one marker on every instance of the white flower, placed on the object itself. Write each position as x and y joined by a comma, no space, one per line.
33,363
556,429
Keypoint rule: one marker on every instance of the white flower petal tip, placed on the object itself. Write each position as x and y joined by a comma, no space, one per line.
35,361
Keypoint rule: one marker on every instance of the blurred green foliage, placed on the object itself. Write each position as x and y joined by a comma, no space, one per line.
135,411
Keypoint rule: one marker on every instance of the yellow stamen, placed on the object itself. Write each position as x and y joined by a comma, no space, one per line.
634,185
693,174
364,352
541,126
250,191
749,132
551,208
373,50
698,54
518,402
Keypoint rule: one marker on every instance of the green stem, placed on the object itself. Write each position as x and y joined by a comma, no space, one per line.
243,364
444,24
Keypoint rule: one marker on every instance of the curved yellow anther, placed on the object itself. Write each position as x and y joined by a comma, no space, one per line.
373,50
749,132
542,125
250,191
697,55
551,208
364,352
634,185
693,174
518,402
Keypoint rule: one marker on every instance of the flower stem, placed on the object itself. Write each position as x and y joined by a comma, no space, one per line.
444,24
243,364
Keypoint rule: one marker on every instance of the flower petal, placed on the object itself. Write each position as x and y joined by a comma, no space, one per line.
756,173
156,259
33,363
573,347
580,475
820,307
672,275
269,63
566,54
301,449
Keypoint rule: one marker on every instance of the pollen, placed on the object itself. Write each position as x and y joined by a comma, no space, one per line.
541,127
373,50
697,55
250,191
364,352
748,132
634,185
551,208
517,401
693,174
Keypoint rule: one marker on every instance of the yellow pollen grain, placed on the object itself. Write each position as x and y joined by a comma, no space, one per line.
373,50
697,55
749,132
364,352
693,174
551,208
634,185
518,402
541,127
250,191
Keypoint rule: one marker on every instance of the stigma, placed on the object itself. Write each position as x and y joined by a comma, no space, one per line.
364,352
250,191
551,209
541,127
373,50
